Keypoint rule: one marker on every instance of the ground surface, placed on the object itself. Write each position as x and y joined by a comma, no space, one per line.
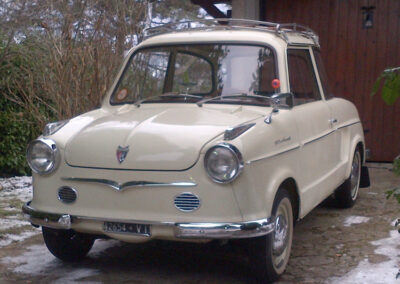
357,245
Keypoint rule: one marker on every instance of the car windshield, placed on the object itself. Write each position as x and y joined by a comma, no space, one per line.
193,72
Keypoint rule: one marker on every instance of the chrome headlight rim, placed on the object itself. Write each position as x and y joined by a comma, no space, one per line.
235,154
51,144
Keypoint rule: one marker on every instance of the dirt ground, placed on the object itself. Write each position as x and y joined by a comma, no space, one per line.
357,245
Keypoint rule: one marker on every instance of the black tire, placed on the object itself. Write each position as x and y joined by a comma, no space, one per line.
346,194
67,245
269,255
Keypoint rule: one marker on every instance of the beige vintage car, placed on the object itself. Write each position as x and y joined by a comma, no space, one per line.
222,129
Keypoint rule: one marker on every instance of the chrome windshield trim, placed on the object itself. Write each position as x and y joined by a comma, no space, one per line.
121,186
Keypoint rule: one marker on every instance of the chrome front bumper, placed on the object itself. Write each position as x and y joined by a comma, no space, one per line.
235,230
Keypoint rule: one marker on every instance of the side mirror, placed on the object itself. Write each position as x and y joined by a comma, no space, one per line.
276,102
282,99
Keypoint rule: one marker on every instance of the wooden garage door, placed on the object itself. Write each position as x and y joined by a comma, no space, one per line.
354,57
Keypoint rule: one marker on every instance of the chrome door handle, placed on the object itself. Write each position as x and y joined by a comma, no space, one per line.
333,120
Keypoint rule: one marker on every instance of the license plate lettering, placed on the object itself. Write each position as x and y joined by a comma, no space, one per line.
127,228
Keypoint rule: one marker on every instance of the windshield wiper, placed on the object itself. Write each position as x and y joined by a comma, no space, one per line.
200,103
166,95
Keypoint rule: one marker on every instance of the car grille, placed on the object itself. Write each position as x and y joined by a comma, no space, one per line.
67,194
187,202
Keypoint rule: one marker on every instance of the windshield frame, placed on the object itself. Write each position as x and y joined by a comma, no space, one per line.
177,44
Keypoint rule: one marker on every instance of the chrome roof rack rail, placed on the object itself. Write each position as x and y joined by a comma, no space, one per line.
228,24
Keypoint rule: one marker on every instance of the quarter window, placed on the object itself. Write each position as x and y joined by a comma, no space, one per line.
303,83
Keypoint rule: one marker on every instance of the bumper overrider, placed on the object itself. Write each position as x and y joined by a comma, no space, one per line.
234,230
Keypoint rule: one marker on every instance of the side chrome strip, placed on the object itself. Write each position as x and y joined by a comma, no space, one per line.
319,138
347,125
119,187
273,155
298,146
330,132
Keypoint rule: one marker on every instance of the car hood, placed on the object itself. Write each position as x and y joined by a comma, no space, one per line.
158,138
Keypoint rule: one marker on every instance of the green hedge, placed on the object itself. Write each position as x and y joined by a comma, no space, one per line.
16,132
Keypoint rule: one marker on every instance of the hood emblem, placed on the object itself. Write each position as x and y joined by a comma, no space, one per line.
121,153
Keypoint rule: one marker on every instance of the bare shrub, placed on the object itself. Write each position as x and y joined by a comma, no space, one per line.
74,48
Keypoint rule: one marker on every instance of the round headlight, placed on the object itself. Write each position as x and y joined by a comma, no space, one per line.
223,163
42,155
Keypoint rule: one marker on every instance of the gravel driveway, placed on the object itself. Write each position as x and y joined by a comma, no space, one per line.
357,245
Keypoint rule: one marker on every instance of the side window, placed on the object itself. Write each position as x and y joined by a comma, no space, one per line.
303,83
193,74
322,74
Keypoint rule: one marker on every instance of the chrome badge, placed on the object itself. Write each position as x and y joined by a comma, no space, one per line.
121,153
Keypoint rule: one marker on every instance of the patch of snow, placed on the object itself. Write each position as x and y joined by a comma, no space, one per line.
37,260
350,220
12,223
377,273
16,187
7,239
339,246
12,190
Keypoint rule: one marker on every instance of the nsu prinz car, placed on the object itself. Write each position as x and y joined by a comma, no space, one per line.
223,129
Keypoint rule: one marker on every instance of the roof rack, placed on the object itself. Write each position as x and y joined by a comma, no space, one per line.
281,30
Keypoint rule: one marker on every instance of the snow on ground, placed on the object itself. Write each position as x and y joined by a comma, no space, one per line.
20,187
37,260
377,273
350,220
13,193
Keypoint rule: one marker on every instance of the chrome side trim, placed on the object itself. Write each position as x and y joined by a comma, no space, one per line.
273,155
121,186
347,125
319,138
298,146
227,230
329,133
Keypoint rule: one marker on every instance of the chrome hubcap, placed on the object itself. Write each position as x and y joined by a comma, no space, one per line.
280,235
355,176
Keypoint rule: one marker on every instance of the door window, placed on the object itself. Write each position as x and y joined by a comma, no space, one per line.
303,83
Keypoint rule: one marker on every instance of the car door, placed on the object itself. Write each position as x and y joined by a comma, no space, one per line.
335,108
313,121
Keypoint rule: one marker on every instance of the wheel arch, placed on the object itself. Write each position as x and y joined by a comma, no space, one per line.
357,144
291,186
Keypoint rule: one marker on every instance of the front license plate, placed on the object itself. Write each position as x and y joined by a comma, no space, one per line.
127,228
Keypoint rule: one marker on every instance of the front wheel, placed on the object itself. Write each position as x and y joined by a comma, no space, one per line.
347,193
67,245
269,255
